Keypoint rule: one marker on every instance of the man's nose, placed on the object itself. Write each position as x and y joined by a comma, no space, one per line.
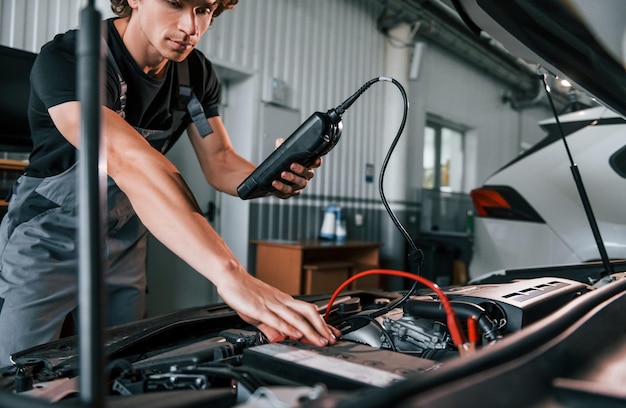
187,22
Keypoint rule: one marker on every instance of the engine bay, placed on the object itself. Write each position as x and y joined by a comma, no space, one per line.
387,338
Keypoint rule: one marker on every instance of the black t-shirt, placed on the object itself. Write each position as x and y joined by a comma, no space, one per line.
149,101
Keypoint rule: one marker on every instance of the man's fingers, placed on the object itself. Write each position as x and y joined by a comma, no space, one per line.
303,171
276,312
300,320
283,190
291,182
270,333
278,142
312,324
317,163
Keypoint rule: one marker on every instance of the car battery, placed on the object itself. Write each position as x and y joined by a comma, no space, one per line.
345,365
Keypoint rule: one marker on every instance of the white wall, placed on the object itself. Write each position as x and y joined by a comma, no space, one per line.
449,88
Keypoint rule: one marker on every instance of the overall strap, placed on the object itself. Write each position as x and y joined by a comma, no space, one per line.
186,101
122,84
189,99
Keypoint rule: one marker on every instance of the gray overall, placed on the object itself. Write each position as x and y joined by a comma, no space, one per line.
38,248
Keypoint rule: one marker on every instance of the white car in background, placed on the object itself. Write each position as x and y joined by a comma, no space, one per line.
529,213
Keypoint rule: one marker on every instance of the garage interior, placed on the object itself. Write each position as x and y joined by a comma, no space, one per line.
282,60
446,111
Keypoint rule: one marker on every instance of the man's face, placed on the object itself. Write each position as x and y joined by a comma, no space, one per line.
173,27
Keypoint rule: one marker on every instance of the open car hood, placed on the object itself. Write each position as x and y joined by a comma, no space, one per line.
581,40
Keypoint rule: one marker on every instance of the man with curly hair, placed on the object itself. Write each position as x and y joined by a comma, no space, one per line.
156,86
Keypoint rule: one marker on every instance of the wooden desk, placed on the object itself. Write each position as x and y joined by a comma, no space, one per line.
312,266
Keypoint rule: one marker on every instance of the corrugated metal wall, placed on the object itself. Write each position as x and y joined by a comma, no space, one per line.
28,24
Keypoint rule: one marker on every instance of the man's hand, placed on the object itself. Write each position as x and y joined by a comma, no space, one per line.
277,314
293,181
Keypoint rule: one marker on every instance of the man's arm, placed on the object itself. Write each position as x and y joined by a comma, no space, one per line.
168,209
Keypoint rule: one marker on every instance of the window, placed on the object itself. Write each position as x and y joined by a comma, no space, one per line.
443,157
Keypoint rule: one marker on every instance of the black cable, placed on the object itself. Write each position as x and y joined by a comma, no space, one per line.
415,255
341,108
394,218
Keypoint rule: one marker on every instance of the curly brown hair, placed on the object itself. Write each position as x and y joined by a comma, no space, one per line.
122,9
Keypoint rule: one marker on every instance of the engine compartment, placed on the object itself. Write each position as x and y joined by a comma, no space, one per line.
211,349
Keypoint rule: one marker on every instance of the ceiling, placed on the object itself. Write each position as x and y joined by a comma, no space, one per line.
437,22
